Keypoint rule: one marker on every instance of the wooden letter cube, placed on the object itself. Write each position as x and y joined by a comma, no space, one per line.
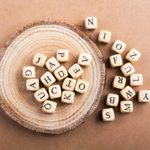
119,82
91,23
47,79
116,60
144,96
32,84
69,84
108,114
39,59
68,97
133,55
54,91
127,93
49,106
62,55
81,86
61,73
136,79
41,95
28,72
112,100
127,69
75,71
84,59
104,36
118,46
52,64
126,106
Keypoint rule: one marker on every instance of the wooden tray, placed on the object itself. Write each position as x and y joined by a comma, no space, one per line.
47,37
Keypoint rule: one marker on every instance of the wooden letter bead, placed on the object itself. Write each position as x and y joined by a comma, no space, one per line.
54,91
62,55
108,114
127,69
144,96
69,84
118,46
84,59
133,55
81,86
28,72
115,60
32,84
61,73
126,106
119,82
127,93
112,100
136,80
47,79
49,106
39,59
41,95
52,64
75,71
104,36
91,23
68,97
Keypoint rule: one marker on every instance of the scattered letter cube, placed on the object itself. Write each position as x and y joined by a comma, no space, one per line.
49,106
39,59
112,100
108,114
47,79
126,106
91,23
68,97
61,73
75,71
41,95
84,59
136,80
54,91
119,82
81,86
127,69
69,84
127,93
52,64
28,72
62,55
133,55
104,36
116,60
144,96
118,46
32,84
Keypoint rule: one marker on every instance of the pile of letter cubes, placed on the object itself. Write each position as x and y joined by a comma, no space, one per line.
119,82
51,88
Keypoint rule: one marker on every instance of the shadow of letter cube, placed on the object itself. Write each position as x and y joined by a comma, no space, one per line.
49,106
55,91
39,59
61,73
126,106
91,23
116,60
84,59
47,79
69,84
62,55
28,72
144,96
68,97
32,84
41,95
108,114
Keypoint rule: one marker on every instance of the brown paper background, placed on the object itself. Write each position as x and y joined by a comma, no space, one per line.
128,20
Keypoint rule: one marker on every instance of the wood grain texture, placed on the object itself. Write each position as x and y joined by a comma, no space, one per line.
47,38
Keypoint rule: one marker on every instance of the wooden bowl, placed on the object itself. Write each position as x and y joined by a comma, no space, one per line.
47,38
